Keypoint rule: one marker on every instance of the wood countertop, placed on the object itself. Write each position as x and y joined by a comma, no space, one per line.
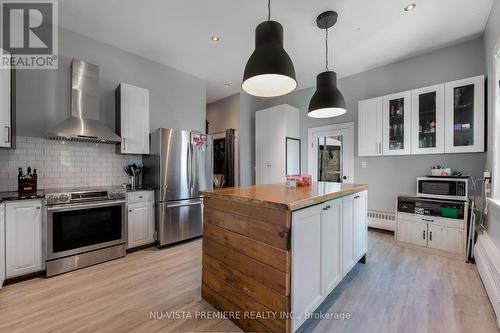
281,197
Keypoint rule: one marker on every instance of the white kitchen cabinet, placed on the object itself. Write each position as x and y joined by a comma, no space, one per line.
464,119
23,237
370,118
140,218
132,118
411,232
6,125
445,239
360,225
347,234
2,244
272,127
306,262
397,124
438,233
331,232
428,120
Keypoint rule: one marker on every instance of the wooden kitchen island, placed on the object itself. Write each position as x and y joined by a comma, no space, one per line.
272,254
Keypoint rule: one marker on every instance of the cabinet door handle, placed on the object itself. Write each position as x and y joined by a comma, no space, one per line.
380,147
123,143
357,197
430,235
140,197
423,234
327,207
37,207
427,220
130,210
8,134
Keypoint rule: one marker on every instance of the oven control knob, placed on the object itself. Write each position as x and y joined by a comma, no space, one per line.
52,199
63,198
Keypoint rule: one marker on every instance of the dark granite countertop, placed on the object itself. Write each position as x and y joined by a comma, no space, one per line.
13,195
142,188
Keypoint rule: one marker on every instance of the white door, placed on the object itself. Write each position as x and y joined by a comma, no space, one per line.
347,234
360,225
140,224
23,238
270,136
331,153
2,244
5,108
464,103
412,232
331,245
135,119
306,263
370,114
446,239
397,124
428,120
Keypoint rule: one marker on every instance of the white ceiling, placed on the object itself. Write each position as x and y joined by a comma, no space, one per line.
369,33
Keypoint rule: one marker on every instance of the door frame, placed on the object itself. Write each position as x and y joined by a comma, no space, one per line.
348,163
496,121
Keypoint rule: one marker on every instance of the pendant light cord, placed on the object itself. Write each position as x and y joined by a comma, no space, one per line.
326,49
269,10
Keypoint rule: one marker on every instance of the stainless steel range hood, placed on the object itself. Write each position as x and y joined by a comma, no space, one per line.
83,124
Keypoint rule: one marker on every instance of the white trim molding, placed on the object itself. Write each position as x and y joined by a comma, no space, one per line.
487,257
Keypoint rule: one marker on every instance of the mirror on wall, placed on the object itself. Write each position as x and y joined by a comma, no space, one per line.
292,156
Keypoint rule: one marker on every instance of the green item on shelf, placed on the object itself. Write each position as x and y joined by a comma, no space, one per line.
449,212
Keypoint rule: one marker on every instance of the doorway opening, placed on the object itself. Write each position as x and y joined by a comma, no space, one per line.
331,153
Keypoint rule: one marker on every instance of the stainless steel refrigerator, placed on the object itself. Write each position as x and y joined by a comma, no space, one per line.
179,166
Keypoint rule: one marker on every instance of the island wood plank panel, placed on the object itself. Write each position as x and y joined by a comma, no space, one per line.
246,262
257,212
269,233
272,256
255,269
273,322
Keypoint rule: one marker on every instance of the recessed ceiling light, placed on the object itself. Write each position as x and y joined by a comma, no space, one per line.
215,39
410,7
227,85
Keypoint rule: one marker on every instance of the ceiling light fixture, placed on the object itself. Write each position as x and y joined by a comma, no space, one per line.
269,71
327,100
215,39
410,7
227,85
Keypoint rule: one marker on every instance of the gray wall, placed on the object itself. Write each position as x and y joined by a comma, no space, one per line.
491,37
386,176
224,114
177,99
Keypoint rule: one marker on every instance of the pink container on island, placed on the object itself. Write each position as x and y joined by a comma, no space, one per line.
300,180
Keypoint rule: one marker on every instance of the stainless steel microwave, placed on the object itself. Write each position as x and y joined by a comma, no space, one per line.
443,188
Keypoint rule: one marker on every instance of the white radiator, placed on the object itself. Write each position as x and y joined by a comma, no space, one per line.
382,220
487,257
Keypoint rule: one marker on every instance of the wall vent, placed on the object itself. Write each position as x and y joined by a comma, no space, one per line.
381,220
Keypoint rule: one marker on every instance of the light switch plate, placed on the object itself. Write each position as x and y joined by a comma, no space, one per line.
363,164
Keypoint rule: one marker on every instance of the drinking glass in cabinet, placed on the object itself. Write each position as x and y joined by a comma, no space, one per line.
396,124
427,120
463,115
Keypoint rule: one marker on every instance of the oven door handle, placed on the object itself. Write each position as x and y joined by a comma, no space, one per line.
84,206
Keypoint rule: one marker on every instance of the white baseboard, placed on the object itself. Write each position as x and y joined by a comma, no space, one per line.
487,257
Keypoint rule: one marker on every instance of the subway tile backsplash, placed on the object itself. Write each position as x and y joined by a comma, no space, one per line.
64,164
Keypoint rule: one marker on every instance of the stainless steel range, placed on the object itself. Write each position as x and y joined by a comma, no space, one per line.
84,227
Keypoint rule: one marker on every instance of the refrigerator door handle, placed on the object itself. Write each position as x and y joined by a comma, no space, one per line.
192,203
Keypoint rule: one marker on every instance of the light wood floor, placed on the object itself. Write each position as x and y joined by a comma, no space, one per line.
398,290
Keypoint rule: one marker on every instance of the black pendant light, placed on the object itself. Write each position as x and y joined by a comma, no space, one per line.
327,101
269,71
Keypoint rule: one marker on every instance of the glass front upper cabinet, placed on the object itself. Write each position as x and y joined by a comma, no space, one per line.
396,124
464,102
428,120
